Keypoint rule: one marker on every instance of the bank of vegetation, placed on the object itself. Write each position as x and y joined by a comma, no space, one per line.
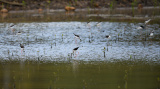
60,4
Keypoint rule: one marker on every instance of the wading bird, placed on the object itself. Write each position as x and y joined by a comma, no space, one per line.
76,37
74,51
22,48
12,27
18,33
88,24
147,21
108,36
151,34
141,27
98,24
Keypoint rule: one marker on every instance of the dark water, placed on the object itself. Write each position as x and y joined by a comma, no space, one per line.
84,15
130,59
79,75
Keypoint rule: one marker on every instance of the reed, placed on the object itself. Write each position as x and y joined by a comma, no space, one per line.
134,3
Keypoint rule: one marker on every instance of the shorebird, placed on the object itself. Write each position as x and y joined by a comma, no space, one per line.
108,36
22,48
76,37
74,51
12,27
98,24
151,34
147,21
18,33
88,24
141,27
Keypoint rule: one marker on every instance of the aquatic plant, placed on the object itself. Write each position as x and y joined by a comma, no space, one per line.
24,3
62,37
92,1
134,3
104,52
111,5
155,3
55,39
51,45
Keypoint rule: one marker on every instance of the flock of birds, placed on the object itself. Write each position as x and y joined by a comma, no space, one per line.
78,37
108,36
144,27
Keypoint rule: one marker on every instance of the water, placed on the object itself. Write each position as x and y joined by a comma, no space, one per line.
56,41
79,75
129,59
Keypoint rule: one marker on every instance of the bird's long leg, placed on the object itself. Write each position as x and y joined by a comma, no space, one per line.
21,50
73,52
77,54
75,40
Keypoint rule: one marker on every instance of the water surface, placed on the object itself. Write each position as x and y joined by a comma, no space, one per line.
79,75
130,59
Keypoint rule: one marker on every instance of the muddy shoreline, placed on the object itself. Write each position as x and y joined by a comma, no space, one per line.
83,9
78,4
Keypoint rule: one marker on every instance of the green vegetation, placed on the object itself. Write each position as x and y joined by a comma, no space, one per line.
111,5
134,3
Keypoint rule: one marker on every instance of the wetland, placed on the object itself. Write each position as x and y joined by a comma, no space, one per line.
129,59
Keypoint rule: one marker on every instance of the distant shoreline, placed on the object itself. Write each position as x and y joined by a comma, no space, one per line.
83,9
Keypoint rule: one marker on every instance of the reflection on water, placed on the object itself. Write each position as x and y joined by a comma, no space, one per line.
118,14
79,75
129,59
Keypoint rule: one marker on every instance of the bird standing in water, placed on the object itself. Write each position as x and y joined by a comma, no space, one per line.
141,27
108,36
74,51
22,48
88,24
98,24
151,34
18,33
76,37
11,27
147,21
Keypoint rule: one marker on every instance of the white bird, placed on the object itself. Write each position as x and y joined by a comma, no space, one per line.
141,27
151,34
147,21
98,24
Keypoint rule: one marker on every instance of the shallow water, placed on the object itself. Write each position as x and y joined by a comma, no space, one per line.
130,59
56,41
